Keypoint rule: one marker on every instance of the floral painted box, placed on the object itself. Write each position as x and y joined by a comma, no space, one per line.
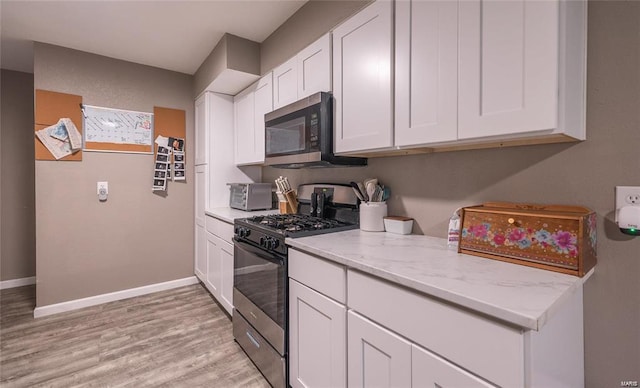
552,237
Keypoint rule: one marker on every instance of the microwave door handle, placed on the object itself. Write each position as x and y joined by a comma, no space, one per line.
258,252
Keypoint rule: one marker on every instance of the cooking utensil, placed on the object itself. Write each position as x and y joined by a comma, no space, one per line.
363,191
357,191
386,193
371,190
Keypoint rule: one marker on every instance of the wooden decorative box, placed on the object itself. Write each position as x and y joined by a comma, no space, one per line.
552,237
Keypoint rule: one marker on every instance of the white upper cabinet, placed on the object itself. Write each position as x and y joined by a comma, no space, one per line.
201,142
426,76
314,67
250,107
285,83
467,74
508,67
263,104
306,73
362,79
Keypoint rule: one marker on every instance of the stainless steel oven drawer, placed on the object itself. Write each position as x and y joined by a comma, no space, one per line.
266,358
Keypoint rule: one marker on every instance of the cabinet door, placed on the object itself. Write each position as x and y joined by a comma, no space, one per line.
200,194
376,356
214,265
244,126
200,249
263,104
317,343
201,130
285,83
429,370
314,67
362,55
426,72
508,67
226,276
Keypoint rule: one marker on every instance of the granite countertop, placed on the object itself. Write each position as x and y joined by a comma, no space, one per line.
517,294
228,214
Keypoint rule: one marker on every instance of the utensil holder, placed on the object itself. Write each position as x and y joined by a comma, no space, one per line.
285,207
372,216
292,199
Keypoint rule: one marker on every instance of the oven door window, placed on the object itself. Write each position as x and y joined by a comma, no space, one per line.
288,137
261,277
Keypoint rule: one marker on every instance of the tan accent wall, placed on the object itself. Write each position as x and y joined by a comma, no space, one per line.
85,247
430,187
17,241
231,52
305,26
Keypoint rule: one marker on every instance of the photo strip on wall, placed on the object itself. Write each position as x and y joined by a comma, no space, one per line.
169,156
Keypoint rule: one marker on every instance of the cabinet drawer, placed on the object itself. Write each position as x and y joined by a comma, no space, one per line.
220,228
458,335
321,275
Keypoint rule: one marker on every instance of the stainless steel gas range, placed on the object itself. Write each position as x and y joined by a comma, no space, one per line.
260,278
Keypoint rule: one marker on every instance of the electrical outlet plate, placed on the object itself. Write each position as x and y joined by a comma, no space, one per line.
103,190
627,196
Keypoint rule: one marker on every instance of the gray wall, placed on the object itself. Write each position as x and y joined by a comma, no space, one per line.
429,187
136,238
309,23
17,246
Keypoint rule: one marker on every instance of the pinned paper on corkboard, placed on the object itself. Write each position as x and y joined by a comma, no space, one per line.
50,108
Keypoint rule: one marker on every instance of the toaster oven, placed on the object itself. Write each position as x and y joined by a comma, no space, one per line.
250,196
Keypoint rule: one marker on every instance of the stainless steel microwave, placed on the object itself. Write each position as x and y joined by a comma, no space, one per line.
301,135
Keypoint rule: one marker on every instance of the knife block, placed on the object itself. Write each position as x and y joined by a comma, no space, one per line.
285,207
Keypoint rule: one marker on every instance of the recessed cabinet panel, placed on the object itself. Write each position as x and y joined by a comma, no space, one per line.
214,266
263,104
244,127
426,89
226,276
200,194
201,253
201,130
508,67
376,356
362,65
285,83
317,339
314,68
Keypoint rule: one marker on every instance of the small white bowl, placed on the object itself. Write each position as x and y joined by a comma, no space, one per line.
398,225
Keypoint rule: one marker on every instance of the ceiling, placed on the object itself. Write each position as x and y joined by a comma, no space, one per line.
173,35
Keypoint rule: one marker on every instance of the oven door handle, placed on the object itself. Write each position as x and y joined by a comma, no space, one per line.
259,252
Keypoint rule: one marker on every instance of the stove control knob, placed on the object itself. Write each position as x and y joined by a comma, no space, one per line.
247,232
274,244
263,242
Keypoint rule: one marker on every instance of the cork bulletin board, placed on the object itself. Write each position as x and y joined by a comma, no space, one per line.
49,108
170,122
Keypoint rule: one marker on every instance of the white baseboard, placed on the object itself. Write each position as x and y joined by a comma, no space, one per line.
17,282
111,297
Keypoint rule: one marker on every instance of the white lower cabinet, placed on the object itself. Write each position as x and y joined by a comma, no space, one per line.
377,356
317,339
226,277
397,337
213,278
218,257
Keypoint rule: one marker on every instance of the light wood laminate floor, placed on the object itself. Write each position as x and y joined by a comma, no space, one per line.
175,338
